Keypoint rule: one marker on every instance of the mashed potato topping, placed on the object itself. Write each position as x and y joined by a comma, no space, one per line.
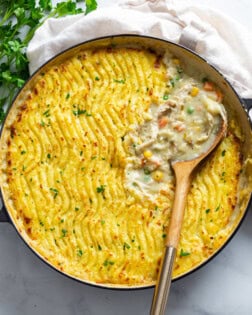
85,169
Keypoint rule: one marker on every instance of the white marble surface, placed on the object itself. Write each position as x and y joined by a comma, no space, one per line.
222,287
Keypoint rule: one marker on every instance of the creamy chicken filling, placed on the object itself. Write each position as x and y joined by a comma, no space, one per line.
181,127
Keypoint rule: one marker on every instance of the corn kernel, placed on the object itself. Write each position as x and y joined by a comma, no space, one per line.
139,141
147,154
194,91
157,176
176,61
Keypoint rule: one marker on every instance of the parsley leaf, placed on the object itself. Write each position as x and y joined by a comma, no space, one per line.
45,4
55,191
91,5
108,262
66,8
79,112
126,246
101,189
63,233
183,253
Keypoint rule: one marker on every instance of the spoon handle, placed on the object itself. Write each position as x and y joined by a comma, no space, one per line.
164,282
183,180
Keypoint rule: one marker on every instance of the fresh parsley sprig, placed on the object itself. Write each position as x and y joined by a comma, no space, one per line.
18,22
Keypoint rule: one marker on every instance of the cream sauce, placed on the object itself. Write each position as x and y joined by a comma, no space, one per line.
181,127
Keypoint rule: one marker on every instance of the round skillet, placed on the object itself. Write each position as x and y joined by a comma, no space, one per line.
236,106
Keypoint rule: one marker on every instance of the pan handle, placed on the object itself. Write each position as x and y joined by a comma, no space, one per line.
248,103
3,213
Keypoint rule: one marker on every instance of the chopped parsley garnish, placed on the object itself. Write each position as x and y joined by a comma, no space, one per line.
126,246
183,253
79,112
67,96
23,152
101,189
55,191
107,263
76,209
164,235
207,211
99,247
63,233
46,113
79,252
97,78
223,152
48,155
119,81
218,208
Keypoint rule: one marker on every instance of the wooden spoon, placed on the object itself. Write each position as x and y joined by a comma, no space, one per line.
183,174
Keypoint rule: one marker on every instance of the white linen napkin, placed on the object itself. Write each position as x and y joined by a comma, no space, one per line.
216,37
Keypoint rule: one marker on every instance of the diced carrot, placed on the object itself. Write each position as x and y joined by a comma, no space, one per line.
143,162
179,128
162,122
208,86
176,61
219,95
156,163
157,63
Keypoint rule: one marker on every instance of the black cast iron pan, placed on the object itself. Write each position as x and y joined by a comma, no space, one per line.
236,106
